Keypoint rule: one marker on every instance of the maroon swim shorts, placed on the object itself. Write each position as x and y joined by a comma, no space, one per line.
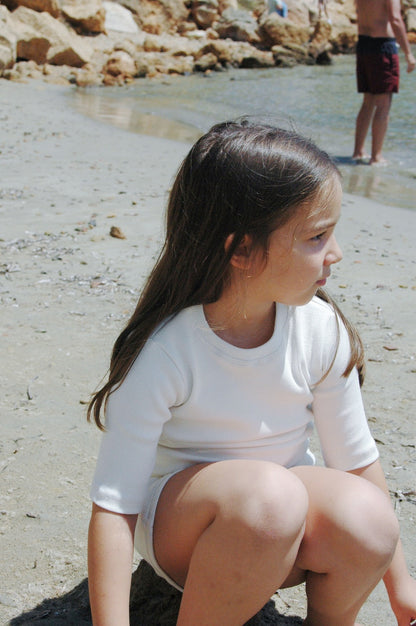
377,65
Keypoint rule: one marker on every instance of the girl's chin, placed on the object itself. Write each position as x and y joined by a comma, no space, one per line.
301,301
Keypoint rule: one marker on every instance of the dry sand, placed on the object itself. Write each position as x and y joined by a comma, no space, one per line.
66,289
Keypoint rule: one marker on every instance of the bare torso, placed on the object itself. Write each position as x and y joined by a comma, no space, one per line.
373,17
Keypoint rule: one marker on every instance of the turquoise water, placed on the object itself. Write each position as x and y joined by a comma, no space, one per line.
320,101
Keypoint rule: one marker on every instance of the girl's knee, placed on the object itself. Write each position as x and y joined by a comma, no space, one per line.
385,524
373,522
350,521
268,502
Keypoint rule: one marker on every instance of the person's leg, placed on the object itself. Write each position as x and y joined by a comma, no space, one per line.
350,538
362,125
229,532
379,127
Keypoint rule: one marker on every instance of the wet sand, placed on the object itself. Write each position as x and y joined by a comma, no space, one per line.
66,289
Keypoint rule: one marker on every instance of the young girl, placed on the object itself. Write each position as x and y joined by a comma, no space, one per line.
232,353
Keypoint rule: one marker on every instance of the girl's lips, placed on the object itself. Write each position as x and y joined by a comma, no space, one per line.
321,283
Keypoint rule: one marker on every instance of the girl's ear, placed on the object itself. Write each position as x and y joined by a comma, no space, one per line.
241,258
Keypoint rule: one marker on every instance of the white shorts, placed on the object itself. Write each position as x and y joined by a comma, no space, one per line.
143,538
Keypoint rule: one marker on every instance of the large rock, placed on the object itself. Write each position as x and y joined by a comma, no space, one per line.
120,19
291,55
238,25
175,46
164,16
343,36
227,4
30,45
319,48
50,6
222,50
301,12
24,70
281,31
343,40
411,20
207,62
6,58
120,68
254,58
342,12
337,10
66,48
154,63
205,12
321,34
236,54
7,41
86,15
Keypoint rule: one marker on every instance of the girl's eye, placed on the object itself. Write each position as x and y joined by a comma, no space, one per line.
318,237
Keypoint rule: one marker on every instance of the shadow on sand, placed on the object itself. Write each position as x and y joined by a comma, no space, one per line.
153,602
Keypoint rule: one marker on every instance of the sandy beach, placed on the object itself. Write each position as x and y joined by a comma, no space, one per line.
67,288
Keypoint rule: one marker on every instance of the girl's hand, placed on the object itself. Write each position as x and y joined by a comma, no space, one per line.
403,602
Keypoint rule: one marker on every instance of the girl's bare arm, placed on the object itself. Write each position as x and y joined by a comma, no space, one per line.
110,556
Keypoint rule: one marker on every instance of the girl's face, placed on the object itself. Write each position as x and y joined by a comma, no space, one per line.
300,253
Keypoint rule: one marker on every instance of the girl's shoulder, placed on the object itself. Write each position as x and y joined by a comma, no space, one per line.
323,337
179,325
318,315
320,332
163,357
175,337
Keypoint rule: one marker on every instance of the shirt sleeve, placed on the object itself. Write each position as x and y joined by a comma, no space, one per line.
135,415
339,414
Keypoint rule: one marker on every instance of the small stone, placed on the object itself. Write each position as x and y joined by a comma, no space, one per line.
117,233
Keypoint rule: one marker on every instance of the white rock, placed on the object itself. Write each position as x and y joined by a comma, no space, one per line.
7,40
119,18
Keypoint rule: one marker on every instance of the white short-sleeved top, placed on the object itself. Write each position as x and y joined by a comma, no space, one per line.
191,397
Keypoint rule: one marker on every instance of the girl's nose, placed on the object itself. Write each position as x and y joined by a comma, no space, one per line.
334,254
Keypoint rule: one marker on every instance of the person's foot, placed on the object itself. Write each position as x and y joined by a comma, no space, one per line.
361,159
379,162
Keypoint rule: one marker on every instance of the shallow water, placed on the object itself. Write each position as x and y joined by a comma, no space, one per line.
320,101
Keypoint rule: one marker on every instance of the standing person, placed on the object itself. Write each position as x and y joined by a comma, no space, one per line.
233,351
380,24
277,6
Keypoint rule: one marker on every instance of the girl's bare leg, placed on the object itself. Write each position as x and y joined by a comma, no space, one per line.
350,538
233,532
229,532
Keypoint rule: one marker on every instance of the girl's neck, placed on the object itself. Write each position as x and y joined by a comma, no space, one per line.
243,328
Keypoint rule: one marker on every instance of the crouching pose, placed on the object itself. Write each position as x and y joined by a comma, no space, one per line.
233,353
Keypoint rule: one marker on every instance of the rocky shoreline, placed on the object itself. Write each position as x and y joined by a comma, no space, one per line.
95,42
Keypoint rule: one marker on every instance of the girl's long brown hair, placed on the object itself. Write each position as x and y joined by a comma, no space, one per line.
242,178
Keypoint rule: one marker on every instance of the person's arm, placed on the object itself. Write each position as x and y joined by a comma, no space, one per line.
400,586
399,30
110,557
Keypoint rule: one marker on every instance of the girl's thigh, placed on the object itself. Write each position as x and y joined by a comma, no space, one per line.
345,517
244,492
349,521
